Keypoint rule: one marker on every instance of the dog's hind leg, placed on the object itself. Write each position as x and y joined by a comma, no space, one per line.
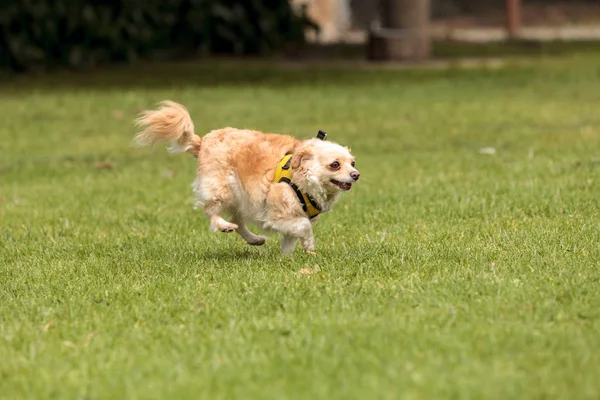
213,209
249,237
216,199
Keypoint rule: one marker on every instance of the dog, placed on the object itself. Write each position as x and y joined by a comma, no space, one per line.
275,181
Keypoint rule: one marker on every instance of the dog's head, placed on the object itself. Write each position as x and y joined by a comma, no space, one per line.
325,164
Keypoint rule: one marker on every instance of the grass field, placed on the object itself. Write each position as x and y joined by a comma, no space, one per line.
445,273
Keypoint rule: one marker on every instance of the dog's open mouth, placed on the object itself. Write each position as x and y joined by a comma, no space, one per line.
342,185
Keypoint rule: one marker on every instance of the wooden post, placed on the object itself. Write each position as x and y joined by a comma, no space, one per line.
513,17
403,33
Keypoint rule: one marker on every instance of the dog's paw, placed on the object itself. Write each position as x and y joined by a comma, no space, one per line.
312,253
227,229
257,241
219,224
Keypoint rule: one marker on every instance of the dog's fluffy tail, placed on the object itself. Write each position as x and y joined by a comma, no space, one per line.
170,122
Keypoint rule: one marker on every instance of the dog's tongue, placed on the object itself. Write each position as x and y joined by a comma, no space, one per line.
342,185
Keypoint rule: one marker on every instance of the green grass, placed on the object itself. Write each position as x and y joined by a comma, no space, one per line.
514,48
445,273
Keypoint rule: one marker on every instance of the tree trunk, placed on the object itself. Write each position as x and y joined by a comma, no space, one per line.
513,17
403,34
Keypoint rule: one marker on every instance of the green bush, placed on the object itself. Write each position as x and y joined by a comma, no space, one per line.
40,33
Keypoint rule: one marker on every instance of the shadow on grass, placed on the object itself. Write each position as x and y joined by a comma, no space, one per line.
231,254
514,48
314,66
212,72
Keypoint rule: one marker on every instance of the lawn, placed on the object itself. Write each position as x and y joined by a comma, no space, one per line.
464,264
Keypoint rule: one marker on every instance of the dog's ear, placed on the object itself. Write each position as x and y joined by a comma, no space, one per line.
300,155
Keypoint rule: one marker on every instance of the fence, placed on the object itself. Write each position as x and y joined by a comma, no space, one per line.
466,20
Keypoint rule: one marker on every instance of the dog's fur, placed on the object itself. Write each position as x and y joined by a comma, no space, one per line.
236,168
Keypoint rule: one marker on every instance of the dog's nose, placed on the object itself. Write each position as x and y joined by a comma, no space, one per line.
354,175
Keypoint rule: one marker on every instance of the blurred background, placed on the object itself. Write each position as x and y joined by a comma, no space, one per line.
37,34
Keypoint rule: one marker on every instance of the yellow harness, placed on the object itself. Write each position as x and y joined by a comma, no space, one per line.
283,173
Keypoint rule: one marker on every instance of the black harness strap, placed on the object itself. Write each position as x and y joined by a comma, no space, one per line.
313,202
299,194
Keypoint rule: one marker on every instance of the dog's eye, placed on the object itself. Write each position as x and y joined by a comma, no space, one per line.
353,163
334,165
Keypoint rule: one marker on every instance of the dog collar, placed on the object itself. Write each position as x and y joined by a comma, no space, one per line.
283,173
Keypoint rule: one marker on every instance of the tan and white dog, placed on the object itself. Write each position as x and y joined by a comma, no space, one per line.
276,181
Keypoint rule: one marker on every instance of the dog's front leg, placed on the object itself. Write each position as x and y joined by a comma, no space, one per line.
284,216
288,244
302,229
292,230
308,243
